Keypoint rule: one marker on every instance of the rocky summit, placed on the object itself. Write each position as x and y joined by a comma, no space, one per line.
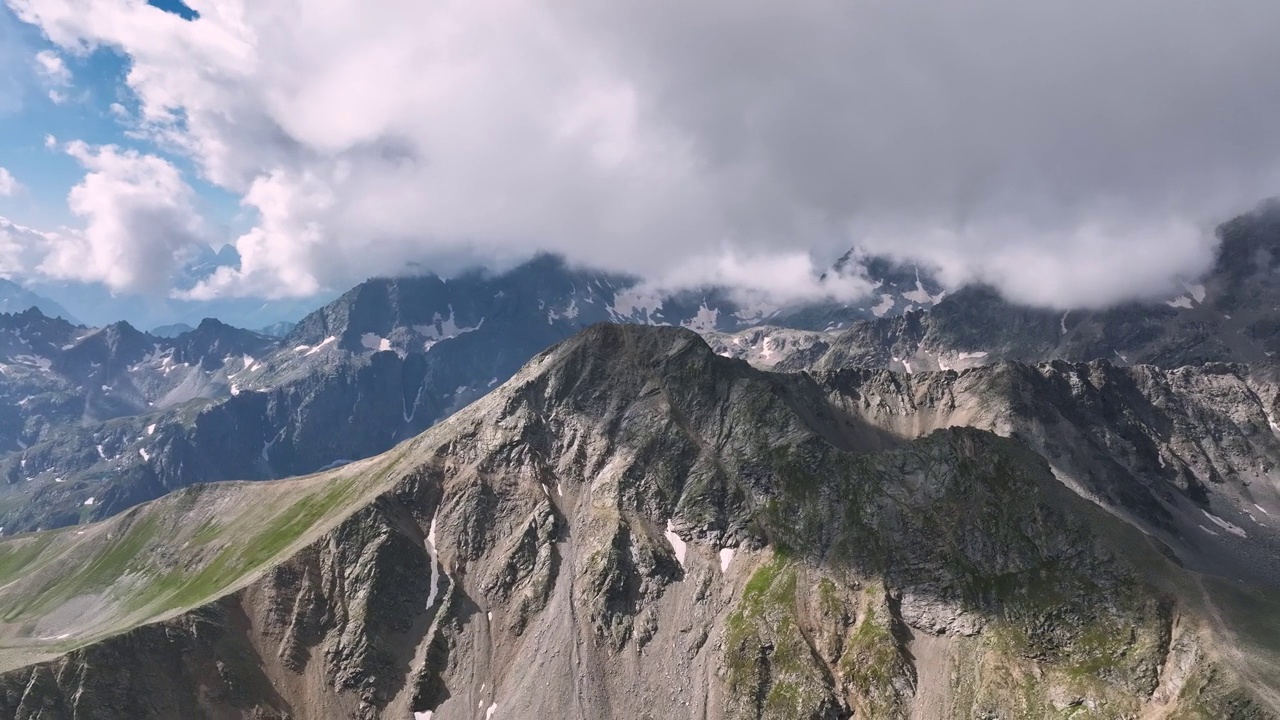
634,526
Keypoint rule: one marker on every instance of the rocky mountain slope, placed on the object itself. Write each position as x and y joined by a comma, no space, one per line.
103,420
635,527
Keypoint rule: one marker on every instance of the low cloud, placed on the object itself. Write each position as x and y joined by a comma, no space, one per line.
8,185
1068,153
140,222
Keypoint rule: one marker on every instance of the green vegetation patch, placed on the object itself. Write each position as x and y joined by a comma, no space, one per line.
773,672
245,553
872,664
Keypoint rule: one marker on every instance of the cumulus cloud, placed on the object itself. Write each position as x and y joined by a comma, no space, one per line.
1069,153
140,222
55,73
20,248
52,68
8,185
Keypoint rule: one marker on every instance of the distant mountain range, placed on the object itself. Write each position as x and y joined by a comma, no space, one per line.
137,415
119,417
14,299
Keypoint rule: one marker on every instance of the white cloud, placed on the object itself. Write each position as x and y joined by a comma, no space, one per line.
140,222
52,68
712,139
8,185
777,277
20,248
50,142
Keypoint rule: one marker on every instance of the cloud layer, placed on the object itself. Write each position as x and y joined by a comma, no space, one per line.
1069,153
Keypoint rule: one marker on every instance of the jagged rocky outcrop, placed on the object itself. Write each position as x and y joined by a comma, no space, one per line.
635,527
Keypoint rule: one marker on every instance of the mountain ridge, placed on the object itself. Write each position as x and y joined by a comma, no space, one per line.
560,546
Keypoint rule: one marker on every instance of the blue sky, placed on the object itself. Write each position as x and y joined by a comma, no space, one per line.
28,115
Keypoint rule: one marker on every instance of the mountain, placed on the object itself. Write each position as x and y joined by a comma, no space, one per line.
635,527
278,329
1230,315
83,400
393,356
14,299
171,331
380,364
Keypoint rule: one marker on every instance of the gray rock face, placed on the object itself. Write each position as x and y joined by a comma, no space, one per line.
1189,455
635,527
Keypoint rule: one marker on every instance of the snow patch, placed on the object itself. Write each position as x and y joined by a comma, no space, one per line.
39,361
151,429
143,453
1062,323
726,557
922,296
1197,292
1271,420
704,321
409,412
886,304
636,305
323,344
1233,529
1207,530
375,342
89,501
493,708
1261,509
443,328
676,543
336,464
266,448
101,453
425,715
1183,302
435,569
